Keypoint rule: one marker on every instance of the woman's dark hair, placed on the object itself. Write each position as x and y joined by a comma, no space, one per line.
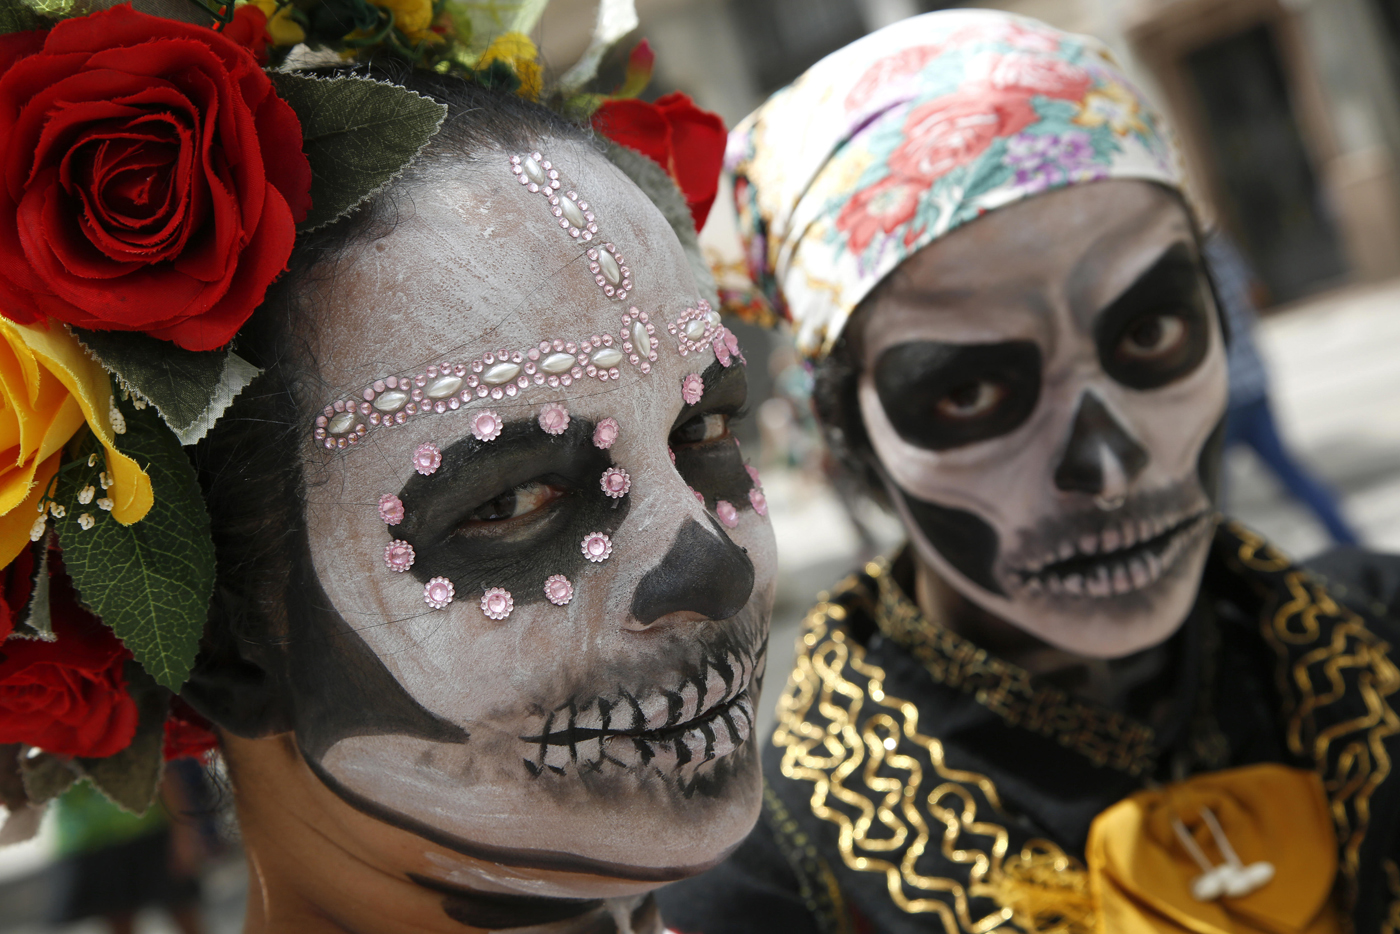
250,464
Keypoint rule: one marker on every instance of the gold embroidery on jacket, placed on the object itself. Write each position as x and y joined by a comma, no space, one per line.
1349,755
1391,923
1103,736
839,730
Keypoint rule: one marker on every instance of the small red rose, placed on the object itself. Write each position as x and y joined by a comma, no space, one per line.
187,733
249,29
675,134
150,178
69,696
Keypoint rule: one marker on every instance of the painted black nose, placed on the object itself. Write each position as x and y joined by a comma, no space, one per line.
703,572
1081,469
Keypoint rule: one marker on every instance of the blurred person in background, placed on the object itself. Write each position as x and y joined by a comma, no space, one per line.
1249,420
1077,700
113,863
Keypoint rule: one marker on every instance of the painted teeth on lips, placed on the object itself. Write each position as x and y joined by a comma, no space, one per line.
1120,559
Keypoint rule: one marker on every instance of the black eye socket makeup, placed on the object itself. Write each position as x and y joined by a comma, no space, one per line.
940,396
1157,331
707,456
509,512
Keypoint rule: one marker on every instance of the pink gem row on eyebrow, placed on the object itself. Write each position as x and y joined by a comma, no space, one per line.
505,374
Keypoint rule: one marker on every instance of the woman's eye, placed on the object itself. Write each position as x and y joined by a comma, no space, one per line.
701,430
513,504
971,400
1153,337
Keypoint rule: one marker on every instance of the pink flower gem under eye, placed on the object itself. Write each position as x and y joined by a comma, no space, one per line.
438,592
727,513
497,603
426,458
398,556
486,426
596,547
615,482
554,418
606,433
559,590
390,509
758,501
692,388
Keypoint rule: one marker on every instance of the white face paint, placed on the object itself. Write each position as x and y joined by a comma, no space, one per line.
1038,388
588,746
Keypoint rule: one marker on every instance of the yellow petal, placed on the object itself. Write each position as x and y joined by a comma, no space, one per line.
15,524
88,383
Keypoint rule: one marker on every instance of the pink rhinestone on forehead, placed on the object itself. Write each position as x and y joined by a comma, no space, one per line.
497,603
390,509
486,425
427,458
615,482
576,218
438,592
498,375
558,590
398,556
692,388
554,419
606,433
596,547
695,329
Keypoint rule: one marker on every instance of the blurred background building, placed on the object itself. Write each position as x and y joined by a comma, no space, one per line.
1289,113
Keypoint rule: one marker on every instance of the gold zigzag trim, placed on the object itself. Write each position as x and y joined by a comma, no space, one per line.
880,816
1350,755
1104,737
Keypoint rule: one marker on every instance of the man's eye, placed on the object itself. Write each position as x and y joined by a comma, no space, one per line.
975,399
701,430
1153,338
514,504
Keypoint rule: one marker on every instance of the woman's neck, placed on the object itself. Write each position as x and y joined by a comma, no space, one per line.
318,866
1106,681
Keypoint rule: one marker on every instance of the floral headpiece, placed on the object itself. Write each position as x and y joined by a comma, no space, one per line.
154,177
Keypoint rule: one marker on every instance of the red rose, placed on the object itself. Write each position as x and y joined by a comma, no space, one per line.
187,733
150,179
880,208
249,29
16,586
951,131
68,696
675,134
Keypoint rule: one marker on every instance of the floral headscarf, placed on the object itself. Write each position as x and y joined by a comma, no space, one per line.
888,144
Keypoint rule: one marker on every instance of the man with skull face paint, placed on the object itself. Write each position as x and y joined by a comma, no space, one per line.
1077,700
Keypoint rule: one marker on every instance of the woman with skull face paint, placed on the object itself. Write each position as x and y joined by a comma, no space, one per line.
1076,700
490,578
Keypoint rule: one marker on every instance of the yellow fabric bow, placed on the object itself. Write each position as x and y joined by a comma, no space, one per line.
49,387
1140,871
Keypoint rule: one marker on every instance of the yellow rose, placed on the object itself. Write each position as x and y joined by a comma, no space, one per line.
411,17
49,387
281,28
517,51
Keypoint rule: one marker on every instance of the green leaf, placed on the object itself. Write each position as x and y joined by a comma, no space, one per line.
190,389
130,778
23,16
359,135
37,623
150,581
45,776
